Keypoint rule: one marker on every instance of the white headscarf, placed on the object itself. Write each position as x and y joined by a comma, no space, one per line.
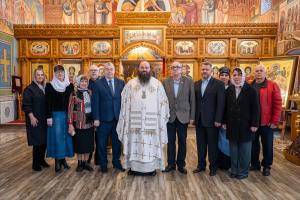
242,81
60,86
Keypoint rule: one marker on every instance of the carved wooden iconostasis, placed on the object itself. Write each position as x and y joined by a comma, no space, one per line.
141,36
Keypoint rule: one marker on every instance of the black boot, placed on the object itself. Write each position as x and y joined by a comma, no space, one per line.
90,158
87,166
57,165
35,159
42,150
79,166
64,163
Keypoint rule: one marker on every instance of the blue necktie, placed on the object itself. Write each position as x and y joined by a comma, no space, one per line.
111,87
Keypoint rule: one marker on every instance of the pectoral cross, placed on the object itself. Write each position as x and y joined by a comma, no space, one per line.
136,141
5,62
143,94
143,143
150,142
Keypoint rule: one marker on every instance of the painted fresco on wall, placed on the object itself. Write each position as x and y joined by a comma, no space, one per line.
143,6
104,11
289,27
29,12
266,5
6,63
6,27
75,12
6,16
182,11
6,10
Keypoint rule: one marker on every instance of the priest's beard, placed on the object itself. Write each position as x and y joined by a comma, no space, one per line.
144,77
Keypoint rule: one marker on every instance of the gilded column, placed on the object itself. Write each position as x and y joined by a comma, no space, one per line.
119,74
197,73
86,65
168,67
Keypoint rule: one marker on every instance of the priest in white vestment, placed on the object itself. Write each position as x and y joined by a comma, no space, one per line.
142,123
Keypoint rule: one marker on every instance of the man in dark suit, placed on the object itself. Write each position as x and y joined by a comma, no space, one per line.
181,97
210,102
106,105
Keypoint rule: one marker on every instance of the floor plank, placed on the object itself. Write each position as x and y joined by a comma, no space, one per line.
17,181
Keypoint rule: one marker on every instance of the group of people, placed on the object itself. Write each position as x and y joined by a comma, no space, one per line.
142,116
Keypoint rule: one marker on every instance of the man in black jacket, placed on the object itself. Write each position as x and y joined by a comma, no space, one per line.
210,102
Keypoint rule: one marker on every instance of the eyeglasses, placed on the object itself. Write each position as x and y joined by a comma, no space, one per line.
259,70
175,67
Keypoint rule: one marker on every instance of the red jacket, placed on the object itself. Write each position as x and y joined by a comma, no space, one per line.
270,103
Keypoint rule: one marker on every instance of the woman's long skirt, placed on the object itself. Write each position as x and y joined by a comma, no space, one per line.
59,142
84,140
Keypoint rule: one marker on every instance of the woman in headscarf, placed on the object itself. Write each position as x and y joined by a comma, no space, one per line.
242,121
81,123
59,142
34,107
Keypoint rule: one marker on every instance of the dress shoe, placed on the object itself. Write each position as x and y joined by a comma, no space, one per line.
130,172
37,168
119,167
57,165
136,173
153,173
44,164
266,171
169,168
104,169
253,168
79,166
182,170
87,166
240,177
198,170
64,163
233,175
213,172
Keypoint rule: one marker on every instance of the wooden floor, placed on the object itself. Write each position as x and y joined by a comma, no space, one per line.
17,181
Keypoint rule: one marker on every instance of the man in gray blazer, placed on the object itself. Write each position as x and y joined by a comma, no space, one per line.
181,96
